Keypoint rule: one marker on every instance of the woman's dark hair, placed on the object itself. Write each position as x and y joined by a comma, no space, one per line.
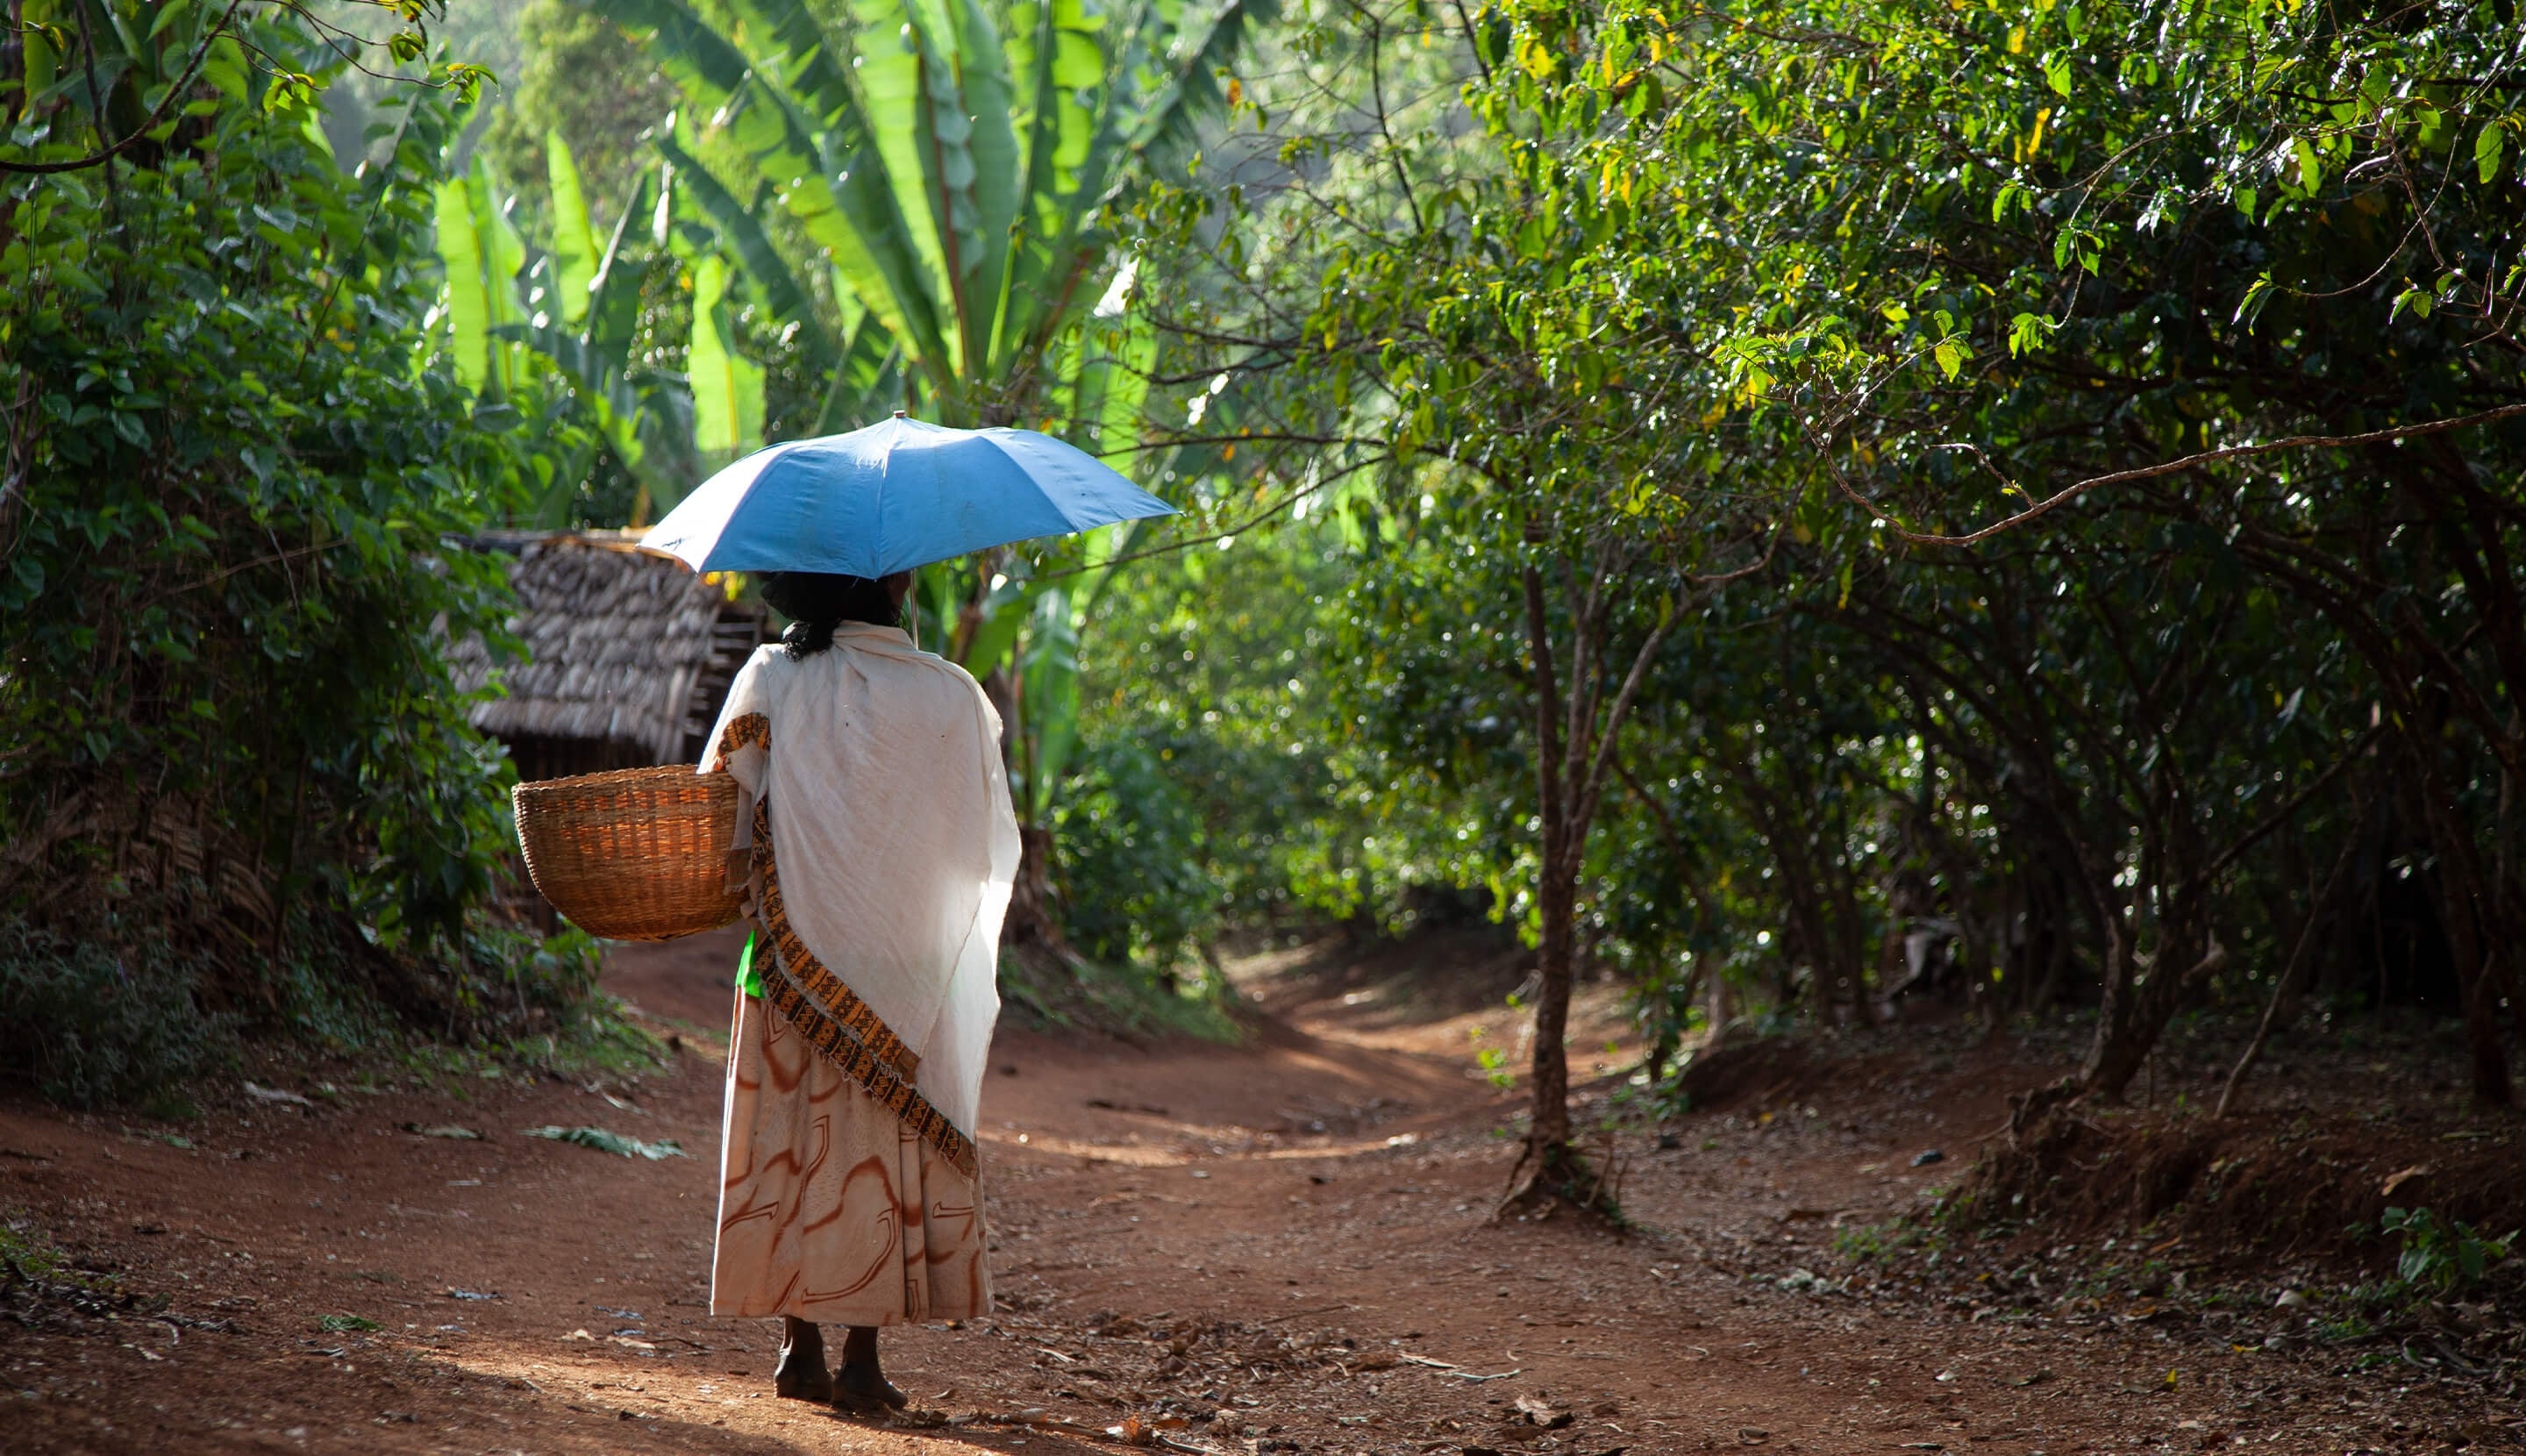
816,603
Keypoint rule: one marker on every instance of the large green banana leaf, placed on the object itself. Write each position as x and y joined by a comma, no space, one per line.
1048,702
951,164
646,423
468,302
741,228
828,171
728,386
574,247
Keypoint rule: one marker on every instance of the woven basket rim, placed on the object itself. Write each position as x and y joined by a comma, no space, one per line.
658,772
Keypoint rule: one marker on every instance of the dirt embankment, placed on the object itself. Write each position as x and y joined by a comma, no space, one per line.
2255,1190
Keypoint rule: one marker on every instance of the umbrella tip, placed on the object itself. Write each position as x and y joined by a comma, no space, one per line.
898,414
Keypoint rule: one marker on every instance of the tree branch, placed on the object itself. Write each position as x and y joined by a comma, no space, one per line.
2063,497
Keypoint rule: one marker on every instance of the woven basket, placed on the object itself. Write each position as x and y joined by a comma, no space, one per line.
637,854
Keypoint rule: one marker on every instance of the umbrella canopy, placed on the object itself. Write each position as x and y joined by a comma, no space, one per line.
899,494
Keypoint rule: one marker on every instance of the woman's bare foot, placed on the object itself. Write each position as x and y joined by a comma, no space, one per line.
860,1386
865,1391
801,1374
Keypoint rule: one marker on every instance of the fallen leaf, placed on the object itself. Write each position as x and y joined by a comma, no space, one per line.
275,1094
607,1140
2403,1176
444,1129
1540,1412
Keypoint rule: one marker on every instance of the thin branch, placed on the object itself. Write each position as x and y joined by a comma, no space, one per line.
1240,529
1584,806
2285,813
174,93
2063,497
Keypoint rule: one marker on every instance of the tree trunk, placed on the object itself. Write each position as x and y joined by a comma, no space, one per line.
2466,914
1548,1131
1574,757
1030,920
2277,1011
1548,1137
2137,1010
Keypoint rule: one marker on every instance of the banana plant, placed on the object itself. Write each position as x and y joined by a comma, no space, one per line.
574,307
728,386
482,255
949,160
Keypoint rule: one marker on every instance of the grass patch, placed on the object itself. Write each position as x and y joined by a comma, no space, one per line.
31,1257
594,1038
1119,1000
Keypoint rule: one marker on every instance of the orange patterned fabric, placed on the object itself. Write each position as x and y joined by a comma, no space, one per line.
831,1209
832,1018
752,731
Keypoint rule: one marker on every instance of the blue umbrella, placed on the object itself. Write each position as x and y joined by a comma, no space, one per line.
899,494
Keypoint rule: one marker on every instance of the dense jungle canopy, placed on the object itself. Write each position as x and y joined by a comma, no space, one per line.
1786,505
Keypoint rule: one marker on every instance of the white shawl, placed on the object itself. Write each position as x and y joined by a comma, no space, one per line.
891,827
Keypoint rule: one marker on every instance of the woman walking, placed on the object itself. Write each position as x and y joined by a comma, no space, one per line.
875,816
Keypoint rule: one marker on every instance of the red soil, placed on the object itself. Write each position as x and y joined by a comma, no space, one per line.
1297,1232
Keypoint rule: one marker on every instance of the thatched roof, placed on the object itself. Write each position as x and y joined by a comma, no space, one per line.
622,644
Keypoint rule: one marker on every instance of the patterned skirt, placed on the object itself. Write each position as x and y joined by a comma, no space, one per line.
831,1208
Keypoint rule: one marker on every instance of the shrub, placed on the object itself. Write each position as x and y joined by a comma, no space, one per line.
93,1024
234,774
2445,1256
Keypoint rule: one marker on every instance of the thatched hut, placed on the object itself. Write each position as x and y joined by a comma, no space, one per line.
629,656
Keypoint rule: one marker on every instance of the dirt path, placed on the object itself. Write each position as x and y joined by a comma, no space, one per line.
1284,1246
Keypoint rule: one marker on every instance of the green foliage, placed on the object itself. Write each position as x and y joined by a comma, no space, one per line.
589,334
1721,329
91,1023
216,588
344,1323
1211,788
2443,1256
1132,882
952,173
239,783
728,387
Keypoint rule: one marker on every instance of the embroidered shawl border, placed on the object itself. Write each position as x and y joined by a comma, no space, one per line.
829,1014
